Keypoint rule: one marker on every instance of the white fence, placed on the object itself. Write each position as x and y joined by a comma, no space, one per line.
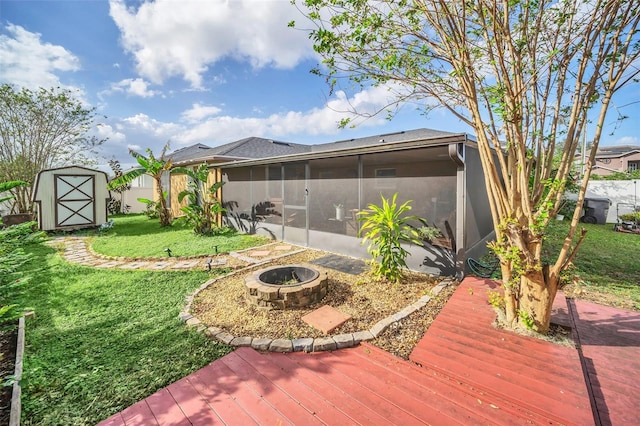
622,193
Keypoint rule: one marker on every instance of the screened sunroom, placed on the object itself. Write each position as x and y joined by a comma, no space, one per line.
313,199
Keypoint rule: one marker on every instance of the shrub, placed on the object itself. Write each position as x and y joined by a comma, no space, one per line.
204,206
12,258
631,217
386,228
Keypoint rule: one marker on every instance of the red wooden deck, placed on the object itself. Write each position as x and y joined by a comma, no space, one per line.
610,344
469,373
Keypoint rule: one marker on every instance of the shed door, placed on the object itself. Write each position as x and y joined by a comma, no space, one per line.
75,200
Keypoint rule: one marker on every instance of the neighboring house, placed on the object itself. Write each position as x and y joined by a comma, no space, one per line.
622,158
311,194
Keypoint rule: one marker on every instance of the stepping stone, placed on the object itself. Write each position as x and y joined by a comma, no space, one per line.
160,265
282,248
259,253
112,264
134,265
326,319
185,264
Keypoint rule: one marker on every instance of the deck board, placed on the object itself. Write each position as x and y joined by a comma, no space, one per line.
610,343
465,371
559,393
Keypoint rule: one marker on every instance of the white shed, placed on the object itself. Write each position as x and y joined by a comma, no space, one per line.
71,197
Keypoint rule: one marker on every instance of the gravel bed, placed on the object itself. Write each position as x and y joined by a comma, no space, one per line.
365,298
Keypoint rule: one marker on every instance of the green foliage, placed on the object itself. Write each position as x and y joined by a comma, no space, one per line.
630,175
8,186
567,207
607,263
13,241
41,129
386,227
135,236
429,233
154,167
526,320
114,205
101,340
152,208
631,217
204,207
496,300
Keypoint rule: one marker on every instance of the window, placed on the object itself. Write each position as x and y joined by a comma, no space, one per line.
384,178
633,166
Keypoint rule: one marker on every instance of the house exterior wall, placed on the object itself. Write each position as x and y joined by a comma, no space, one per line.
178,183
606,166
297,202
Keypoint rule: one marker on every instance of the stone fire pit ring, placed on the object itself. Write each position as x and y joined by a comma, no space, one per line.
286,286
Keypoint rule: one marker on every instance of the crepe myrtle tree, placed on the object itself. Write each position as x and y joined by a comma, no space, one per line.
154,167
523,74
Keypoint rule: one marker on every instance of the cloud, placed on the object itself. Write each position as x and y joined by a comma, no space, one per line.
183,39
627,140
204,124
286,125
198,112
105,131
28,62
134,87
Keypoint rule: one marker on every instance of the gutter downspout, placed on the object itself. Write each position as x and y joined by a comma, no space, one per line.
457,154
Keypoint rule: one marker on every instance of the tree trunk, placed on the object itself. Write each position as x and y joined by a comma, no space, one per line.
535,300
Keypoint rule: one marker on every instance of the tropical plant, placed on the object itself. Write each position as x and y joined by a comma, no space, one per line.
115,206
13,239
204,206
154,167
386,227
7,186
152,208
525,75
39,130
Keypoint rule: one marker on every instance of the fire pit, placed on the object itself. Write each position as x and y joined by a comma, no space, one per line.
282,287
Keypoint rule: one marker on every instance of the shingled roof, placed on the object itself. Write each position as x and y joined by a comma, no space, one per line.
254,148
616,151
243,149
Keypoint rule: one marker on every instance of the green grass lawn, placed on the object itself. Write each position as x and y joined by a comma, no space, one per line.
138,236
608,263
102,340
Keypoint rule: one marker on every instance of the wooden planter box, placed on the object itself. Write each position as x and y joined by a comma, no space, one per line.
16,405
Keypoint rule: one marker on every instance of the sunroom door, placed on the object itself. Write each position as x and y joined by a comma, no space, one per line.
295,199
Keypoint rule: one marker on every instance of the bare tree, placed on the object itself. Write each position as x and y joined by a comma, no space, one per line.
40,130
524,75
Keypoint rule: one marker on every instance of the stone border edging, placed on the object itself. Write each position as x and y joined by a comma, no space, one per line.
308,344
16,393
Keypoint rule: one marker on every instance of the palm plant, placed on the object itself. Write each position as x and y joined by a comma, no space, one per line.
154,167
204,205
386,227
